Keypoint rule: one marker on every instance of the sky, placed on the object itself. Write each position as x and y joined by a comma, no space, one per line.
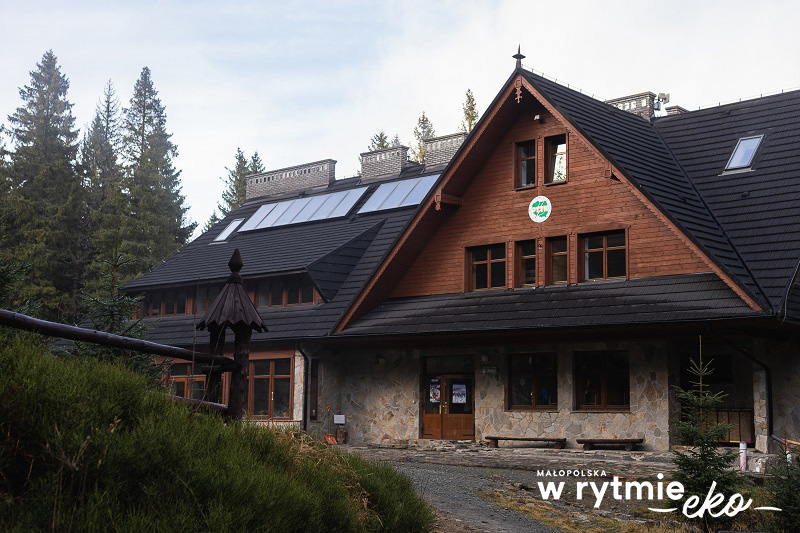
304,81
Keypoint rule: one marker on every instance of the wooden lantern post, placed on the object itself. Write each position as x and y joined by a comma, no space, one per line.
231,309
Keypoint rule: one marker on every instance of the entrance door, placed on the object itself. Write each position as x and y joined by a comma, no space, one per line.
449,407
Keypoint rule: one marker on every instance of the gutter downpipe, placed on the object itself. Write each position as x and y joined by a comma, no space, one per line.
306,368
767,375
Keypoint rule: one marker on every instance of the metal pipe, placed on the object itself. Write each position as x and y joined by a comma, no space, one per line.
75,333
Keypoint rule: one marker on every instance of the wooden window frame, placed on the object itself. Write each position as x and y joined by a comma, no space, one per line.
208,301
284,281
519,259
518,164
533,406
549,259
602,406
548,170
251,377
582,254
470,285
186,379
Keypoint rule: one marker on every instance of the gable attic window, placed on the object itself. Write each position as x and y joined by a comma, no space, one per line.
556,158
526,265
526,164
557,260
744,152
487,266
603,256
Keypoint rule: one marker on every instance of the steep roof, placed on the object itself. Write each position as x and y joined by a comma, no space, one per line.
338,254
634,146
759,208
662,299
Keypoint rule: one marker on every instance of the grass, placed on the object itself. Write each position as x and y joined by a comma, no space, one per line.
88,446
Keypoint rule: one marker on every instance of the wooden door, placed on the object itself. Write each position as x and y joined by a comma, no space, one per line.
448,410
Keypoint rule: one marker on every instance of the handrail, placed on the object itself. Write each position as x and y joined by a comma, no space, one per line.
75,333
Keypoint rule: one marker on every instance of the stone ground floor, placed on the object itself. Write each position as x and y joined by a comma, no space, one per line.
570,390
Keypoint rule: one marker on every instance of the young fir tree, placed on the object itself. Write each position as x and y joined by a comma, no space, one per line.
423,131
156,225
44,208
111,310
396,141
103,172
235,192
256,165
379,142
784,489
703,462
470,113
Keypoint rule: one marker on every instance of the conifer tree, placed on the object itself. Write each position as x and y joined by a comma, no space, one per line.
235,192
107,202
379,142
256,165
157,225
424,130
45,204
470,113
396,140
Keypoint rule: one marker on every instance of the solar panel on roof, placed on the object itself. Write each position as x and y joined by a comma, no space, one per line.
333,205
399,194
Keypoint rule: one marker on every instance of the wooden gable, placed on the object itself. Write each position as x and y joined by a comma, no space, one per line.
476,203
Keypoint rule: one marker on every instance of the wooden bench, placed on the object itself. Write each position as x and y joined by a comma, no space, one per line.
557,442
629,444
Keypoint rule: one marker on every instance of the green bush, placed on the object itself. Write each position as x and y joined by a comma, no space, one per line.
88,446
784,490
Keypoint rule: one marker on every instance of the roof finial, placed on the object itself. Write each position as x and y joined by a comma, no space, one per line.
519,57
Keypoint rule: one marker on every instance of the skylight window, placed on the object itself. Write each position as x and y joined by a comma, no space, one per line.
230,228
744,152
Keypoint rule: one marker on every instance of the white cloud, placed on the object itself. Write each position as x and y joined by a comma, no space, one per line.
302,81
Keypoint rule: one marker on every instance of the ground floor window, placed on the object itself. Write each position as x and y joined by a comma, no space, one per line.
269,388
602,380
187,381
533,381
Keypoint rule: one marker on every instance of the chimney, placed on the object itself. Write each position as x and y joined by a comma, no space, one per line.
386,162
440,150
675,110
642,104
291,179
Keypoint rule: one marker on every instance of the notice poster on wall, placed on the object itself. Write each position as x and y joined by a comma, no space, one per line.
459,393
435,393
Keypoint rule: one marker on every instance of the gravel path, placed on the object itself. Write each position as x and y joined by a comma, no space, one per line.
453,491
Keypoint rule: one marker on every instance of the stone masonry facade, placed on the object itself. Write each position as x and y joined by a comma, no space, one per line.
642,104
379,392
292,179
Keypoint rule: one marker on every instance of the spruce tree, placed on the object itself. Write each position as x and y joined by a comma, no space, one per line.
396,141
45,204
157,225
423,131
103,172
470,113
235,192
379,142
256,165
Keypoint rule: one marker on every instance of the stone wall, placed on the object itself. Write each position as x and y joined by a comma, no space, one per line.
440,150
783,358
648,417
379,393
